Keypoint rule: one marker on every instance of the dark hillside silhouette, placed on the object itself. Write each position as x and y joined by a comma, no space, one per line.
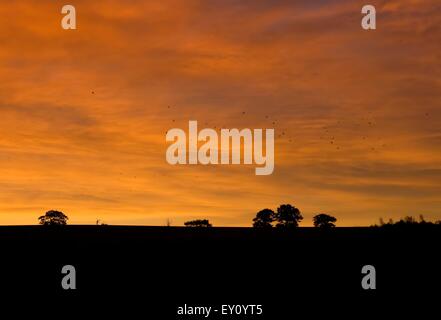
156,268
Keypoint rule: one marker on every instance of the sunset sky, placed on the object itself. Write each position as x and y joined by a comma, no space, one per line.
83,113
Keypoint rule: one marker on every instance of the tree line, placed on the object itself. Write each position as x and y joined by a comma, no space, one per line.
286,216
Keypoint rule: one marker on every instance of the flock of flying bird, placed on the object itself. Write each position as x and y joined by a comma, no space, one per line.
327,134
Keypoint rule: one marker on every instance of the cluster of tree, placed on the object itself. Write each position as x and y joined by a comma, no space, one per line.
288,216
198,223
407,221
53,218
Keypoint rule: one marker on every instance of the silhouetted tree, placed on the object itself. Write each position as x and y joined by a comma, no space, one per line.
53,218
264,218
288,216
198,223
324,220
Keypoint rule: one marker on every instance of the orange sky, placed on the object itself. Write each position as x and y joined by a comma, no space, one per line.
361,110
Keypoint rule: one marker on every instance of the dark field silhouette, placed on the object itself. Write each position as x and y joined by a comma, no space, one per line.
156,268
